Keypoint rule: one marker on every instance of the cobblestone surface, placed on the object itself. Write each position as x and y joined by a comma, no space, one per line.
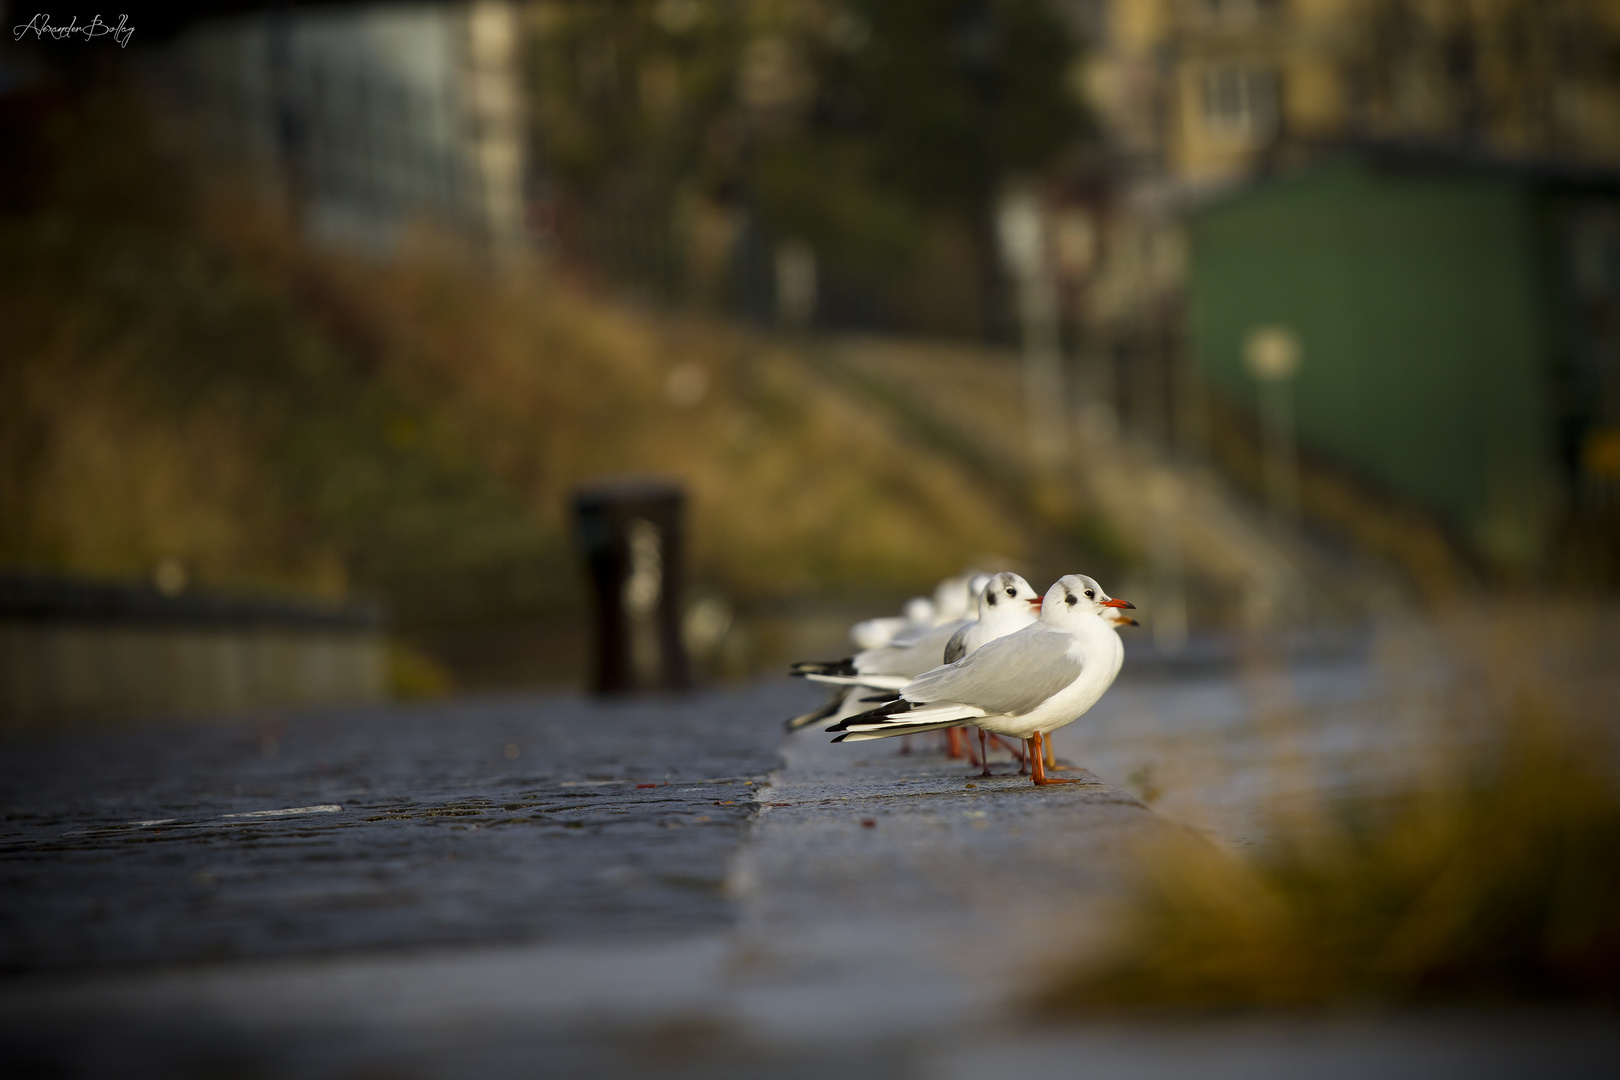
515,819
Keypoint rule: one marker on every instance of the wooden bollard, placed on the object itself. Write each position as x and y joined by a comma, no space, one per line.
629,531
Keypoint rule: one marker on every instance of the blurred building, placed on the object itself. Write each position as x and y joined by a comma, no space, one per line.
1448,333
1452,324
1201,90
368,118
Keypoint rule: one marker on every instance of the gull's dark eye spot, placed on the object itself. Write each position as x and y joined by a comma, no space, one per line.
1069,598
991,599
1011,591
1090,595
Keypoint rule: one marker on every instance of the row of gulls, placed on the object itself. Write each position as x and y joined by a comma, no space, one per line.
888,664
1021,667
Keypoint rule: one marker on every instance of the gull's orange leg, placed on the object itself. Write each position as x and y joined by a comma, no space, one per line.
953,741
1039,757
1023,760
1013,748
984,755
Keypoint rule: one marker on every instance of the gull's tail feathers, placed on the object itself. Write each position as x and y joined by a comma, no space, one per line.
903,713
889,731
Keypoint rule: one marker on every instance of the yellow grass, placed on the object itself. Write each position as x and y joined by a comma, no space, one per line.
1490,872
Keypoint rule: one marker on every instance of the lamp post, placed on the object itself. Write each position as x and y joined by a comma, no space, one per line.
1021,228
795,284
1166,496
1271,354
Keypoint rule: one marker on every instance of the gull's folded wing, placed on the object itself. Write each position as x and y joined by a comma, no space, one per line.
1008,676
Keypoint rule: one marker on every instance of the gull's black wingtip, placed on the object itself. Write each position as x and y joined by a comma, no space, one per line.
804,720
845,666
893,708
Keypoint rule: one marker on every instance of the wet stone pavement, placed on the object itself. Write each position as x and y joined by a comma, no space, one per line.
484,888
507,819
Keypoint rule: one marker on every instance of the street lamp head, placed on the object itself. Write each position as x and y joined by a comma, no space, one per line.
1271,353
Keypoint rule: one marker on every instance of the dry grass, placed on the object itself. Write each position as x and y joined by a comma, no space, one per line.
186,378
1489,873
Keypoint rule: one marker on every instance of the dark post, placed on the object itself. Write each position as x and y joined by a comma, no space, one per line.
630,534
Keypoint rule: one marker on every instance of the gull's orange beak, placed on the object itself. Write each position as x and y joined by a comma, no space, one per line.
1119,603
1036,603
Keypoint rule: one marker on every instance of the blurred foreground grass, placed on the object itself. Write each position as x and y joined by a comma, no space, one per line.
186,378
1484,866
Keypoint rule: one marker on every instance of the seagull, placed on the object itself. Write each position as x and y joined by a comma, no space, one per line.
1116,618
954,597
1006,603
892,666
873,633
1024,685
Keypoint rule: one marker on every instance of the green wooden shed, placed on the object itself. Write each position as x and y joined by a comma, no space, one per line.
1455,327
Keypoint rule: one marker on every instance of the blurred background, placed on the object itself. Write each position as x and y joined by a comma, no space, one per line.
1274,315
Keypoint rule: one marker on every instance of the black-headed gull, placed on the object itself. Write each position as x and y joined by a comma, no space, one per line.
1024,685
1116,618
1006,603
955,596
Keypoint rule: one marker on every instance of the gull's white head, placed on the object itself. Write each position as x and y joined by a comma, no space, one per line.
919,609
1008,593
953,598
1075,596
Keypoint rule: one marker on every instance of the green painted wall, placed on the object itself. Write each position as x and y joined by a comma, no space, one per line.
1413,297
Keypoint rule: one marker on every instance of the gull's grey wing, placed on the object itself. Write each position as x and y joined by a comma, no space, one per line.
1010,675
909,656
956,648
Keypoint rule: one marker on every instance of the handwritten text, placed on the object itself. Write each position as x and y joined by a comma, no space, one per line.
41,27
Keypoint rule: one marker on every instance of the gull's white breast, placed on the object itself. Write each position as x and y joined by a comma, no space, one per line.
1101,652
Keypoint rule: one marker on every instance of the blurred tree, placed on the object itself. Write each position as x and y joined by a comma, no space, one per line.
923,109
625,94
867,129
941,99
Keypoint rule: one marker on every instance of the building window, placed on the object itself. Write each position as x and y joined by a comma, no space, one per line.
1240,102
